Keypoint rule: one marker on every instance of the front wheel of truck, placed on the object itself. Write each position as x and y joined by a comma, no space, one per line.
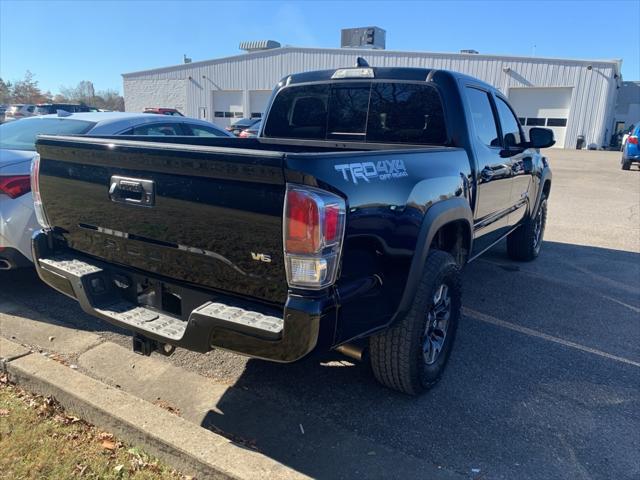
412,354
524,243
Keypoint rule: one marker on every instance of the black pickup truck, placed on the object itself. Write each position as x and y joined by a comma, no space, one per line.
343,226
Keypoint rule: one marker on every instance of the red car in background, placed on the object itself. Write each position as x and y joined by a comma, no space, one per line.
163,111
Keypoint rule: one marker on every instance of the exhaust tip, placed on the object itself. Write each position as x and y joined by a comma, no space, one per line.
351,351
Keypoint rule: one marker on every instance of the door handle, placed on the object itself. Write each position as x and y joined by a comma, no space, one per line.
132,191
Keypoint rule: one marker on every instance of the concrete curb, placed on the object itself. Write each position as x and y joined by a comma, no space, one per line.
181,444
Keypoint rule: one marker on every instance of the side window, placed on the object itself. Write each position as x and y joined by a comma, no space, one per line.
482,117
510,125
202,131
158,129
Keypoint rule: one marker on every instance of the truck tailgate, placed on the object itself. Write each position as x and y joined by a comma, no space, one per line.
209,216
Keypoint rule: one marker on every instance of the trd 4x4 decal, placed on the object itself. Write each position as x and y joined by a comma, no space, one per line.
382,170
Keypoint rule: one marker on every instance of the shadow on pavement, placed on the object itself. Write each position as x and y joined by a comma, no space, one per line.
510,404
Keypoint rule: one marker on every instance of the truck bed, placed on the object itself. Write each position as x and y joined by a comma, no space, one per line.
217,205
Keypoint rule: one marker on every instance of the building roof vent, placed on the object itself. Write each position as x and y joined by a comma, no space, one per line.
364,37
470,51
257,45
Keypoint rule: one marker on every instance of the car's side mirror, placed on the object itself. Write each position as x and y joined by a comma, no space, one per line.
541,137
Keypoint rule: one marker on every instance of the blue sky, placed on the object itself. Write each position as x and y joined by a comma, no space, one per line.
63,42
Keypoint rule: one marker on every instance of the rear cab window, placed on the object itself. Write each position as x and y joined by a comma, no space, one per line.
361,111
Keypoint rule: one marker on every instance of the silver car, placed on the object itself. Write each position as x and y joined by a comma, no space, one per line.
17,149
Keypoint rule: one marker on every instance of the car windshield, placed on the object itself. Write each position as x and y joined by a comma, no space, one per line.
255,127
21,134
245,122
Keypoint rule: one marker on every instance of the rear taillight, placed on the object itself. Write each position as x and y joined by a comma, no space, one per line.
313,232
41,215
15,185
632,139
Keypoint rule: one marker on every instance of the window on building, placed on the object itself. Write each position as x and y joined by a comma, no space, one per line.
536,122
484,121
556,122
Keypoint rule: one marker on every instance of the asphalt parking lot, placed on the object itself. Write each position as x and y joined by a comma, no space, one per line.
544,380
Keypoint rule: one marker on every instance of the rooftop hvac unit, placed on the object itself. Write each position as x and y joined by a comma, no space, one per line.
364,37
257,45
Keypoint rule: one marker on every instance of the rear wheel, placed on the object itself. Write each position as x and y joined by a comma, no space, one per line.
411,355
525,242
626,165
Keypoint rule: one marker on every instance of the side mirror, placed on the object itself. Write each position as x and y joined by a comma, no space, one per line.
541,137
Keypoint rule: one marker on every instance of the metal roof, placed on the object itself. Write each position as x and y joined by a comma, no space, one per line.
370,53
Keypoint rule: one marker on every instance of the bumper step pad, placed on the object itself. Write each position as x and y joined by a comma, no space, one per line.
146,320
244,321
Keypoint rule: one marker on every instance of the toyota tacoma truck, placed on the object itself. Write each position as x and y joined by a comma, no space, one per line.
343,226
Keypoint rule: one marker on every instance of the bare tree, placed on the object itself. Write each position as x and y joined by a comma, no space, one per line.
5,91
27,91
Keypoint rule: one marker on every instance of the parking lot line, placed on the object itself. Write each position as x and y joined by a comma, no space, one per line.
550,278
619,302
534,333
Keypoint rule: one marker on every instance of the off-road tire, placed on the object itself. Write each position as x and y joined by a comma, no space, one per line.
524,243
396,355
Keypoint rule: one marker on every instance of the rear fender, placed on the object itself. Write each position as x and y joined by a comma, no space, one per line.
440,214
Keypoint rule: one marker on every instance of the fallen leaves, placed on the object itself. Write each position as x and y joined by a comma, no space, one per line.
93,453
109,445
81,469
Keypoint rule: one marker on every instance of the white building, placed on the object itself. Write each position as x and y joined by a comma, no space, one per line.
573,97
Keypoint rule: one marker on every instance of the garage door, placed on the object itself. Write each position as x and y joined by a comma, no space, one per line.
258,100
543,107
227,106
